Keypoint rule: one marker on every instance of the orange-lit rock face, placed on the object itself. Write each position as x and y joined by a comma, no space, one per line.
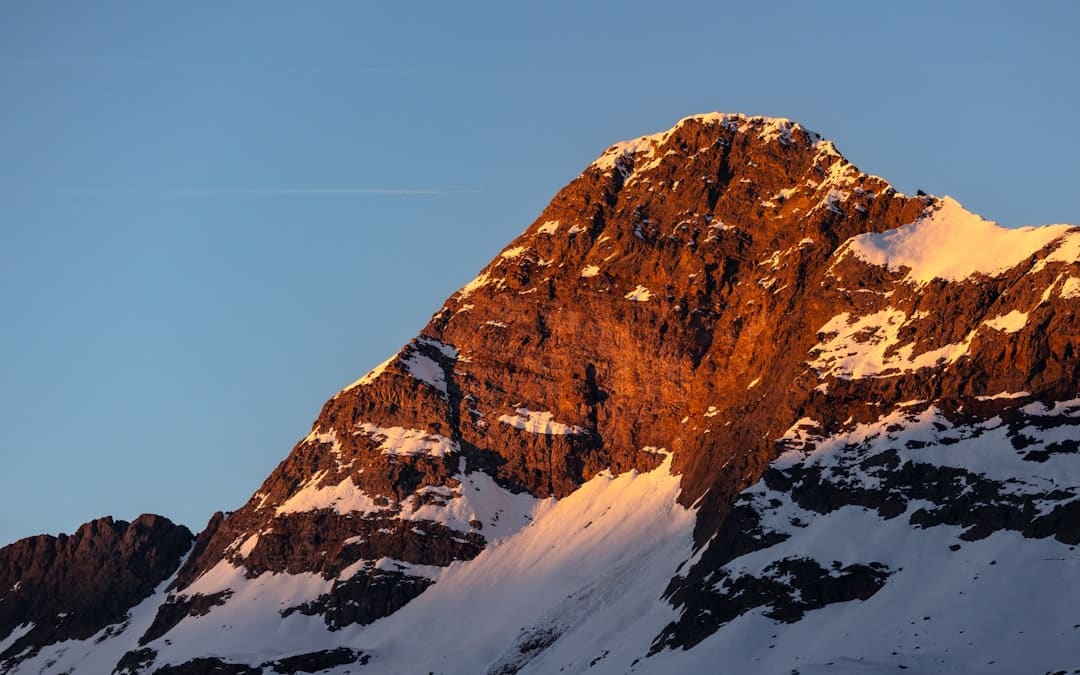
669,297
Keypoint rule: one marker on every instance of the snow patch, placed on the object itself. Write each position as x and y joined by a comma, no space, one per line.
1003,395
939,245
1008,323
425,369
479,499
406,568
1070,288
371,376
1068,251
344,498
855,347
550,227
449,351
590,271
249,545
539,423
639,294
16,633
402,441
482,280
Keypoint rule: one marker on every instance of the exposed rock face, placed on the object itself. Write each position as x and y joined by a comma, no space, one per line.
70,587
801,339
648,291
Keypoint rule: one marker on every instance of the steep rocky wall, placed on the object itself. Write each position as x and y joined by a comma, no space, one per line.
670,296
635,301
71,586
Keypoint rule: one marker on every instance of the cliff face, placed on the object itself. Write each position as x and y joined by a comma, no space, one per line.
731,303
70,587
655,287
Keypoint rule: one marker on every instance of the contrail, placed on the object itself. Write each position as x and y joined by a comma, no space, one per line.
198,192
18,61
212,192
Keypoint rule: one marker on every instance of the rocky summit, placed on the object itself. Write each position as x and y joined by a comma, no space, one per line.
728,402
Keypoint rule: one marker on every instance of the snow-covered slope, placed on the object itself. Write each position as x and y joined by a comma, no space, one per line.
579,586
952,243
580,582
925,540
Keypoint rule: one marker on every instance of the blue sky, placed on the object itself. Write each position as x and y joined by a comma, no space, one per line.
215,215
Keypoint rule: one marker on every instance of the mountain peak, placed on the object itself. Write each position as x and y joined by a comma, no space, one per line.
696,137
657,416
766,129
715,187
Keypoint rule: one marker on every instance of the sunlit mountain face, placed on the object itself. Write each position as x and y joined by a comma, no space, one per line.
727,400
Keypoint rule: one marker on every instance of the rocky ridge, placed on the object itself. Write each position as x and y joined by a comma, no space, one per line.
730,302
70,587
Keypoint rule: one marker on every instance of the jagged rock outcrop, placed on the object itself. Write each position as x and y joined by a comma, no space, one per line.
731,303
61,588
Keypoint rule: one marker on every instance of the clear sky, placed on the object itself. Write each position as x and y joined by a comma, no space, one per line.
215,215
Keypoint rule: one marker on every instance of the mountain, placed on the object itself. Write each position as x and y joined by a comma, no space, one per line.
728,400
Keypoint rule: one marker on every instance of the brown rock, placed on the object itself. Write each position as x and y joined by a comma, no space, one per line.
72,586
